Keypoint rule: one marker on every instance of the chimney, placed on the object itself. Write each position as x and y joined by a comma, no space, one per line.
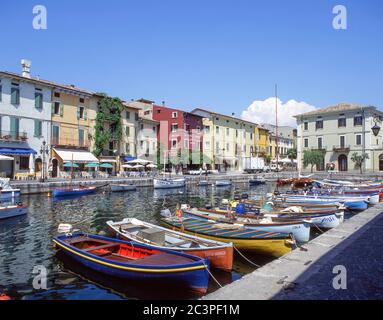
163,103
26,65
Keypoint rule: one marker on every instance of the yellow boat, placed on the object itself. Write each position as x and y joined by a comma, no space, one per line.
268,243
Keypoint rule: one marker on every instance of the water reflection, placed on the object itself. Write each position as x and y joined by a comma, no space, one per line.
27,241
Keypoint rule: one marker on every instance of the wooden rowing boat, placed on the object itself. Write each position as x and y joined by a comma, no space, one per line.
220,254
130,260
13,211
262,242
75,191
299,228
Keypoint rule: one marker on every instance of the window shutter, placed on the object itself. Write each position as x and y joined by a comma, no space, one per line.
38,100
1,93
53,107
85,114
78,113
61,110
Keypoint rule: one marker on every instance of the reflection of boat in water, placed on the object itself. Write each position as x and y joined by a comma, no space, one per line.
161,193
122,187
223,183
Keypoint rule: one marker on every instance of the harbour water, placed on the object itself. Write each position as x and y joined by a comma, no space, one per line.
26,242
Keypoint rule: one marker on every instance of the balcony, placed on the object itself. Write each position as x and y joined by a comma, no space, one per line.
321,149
70,143
13,136
341,148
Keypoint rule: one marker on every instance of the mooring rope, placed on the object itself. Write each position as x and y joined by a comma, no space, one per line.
248,260
211,275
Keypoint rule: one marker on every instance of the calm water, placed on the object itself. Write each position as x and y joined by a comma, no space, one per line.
26,242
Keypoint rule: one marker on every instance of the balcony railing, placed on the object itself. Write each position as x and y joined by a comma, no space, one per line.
341,148
13,136
70,142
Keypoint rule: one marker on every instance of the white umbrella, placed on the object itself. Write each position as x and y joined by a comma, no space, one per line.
5,158
127,166
137,166
151,165
139,161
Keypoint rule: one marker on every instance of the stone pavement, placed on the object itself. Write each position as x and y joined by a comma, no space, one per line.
357,245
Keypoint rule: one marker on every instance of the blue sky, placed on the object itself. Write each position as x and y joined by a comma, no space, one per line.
218,54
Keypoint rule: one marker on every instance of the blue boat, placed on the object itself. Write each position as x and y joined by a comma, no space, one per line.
256,182
9,194
136,262
13,211
79,191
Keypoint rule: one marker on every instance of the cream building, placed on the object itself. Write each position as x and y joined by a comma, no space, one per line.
339,131
226,140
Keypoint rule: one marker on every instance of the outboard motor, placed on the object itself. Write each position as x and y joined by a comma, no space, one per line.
208,206
244,196
237,197
166,213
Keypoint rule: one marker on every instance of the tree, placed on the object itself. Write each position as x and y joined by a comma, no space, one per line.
359,159
312,158
268,159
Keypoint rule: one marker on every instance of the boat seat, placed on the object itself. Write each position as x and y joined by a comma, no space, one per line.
176,244
105,246
164,259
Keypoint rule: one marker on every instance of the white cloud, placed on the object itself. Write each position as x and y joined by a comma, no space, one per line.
264,111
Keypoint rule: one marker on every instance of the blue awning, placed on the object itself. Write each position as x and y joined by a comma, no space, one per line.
17,151
129,158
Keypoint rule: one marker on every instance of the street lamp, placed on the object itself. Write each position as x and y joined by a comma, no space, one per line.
375,130
44,150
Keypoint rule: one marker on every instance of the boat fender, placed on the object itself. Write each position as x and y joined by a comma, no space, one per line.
225,201
64,228
245,196
185,206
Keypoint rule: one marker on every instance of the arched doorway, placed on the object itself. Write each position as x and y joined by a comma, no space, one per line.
342,163
381,162
38,166
55,165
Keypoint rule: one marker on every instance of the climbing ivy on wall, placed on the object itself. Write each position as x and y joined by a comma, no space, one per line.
108,123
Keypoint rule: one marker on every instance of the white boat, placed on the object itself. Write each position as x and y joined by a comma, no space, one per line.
122,187
203,183
6,191
223,183
169,183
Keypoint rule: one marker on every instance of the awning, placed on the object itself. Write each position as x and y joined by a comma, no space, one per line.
17,151
129,158
108,160
75,156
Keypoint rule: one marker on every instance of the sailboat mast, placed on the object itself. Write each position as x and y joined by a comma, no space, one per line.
276,131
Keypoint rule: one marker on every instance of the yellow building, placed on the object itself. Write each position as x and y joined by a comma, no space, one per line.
73,110
227,140
262,141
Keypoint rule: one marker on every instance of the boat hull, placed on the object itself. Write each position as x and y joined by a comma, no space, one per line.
12,211
9,194
168,183
72,192
300,230
194,275
270,247
322,221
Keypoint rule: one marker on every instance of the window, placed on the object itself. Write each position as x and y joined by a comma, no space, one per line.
319,124
15,124
38,128
207,145
15,95
127,115
82,100
174,127
127,148
236,133
306,143
1,92
57,95
127,131
227,147
174,144
81,135
342,141
207,129
136,116
217,130
174,115
251,136
158,111
55,134
305,125
341,121
56,108
154,129
24,163
38,100
358,120
142,126
217,147
80,113
227,131
320,143
358,139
